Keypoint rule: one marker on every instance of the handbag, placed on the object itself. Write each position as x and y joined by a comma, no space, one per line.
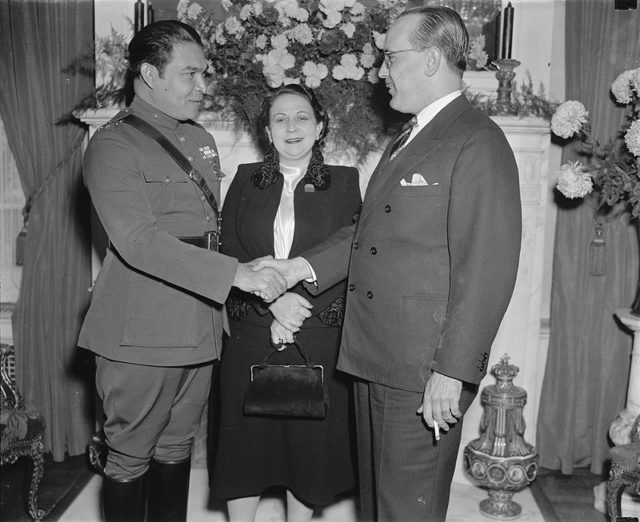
293,390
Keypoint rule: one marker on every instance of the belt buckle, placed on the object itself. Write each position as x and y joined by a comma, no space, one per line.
212,239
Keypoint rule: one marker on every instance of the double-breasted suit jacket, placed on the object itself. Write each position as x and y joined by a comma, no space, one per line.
434,256
157,300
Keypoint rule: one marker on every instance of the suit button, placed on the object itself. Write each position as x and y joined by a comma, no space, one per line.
182,139
355,245
373,251
370,294
387,208
352,287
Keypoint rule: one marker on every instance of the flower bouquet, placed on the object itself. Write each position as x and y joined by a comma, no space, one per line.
613,169
610,169
331,46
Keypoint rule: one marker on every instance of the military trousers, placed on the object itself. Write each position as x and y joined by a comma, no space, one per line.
150,412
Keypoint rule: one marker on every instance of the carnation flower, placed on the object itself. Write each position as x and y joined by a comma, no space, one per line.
331,5
348,29
261,41
574,180
357,10
279,41
280,57
182,8
302,33
332,19
302,15
226,4
632,138
568,119
348,69
379,39
477,52
372,76
233,26
314,74
274,74
193,11
245,12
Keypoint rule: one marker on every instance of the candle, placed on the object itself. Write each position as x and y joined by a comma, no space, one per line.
507,31
138,16
146,12
151,16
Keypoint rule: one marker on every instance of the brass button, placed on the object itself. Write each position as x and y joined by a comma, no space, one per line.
190,158
387,208
373,251
352,287
208,218
370,294
182,139
355,245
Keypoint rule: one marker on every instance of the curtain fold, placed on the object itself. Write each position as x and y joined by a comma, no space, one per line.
587,369
39,39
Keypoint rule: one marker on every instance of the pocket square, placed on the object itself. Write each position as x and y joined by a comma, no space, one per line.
417,180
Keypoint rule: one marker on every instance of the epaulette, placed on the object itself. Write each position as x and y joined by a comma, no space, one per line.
116,119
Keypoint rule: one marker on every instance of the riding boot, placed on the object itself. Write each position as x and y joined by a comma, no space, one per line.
123,500
168,492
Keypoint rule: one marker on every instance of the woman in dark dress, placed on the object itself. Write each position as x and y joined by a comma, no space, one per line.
281,207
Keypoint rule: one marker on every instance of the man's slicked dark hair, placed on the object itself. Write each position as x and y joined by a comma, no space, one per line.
444,29
154,44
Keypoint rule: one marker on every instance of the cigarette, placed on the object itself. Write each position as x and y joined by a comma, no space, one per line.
436,430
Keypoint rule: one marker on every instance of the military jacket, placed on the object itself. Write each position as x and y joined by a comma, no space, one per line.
157,300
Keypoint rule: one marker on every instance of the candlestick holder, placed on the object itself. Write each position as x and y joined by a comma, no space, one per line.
500,459
505,76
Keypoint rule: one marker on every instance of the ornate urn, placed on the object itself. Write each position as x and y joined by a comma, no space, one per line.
500,459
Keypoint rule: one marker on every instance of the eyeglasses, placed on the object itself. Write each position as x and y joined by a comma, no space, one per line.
389,54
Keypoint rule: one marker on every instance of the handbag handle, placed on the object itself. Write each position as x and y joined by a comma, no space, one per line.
307,360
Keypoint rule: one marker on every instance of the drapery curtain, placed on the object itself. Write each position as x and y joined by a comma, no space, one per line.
587,370
39,39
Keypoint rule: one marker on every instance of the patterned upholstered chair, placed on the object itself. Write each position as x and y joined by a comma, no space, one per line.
21,429
625,471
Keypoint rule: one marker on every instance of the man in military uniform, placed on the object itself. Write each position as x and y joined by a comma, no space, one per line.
156,318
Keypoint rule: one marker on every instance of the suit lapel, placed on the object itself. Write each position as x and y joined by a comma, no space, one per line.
387,175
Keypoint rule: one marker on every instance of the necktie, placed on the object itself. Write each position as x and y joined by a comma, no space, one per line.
285,224
402,138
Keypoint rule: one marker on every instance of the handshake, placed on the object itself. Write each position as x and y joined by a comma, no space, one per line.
269,278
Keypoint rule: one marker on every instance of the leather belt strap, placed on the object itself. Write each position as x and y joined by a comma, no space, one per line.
209,240
178,157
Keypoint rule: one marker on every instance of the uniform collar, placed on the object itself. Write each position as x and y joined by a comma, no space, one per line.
155,116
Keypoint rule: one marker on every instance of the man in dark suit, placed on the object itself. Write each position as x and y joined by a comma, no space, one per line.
156,317
431,265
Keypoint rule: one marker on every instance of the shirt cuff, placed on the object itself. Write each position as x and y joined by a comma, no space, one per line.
313,278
